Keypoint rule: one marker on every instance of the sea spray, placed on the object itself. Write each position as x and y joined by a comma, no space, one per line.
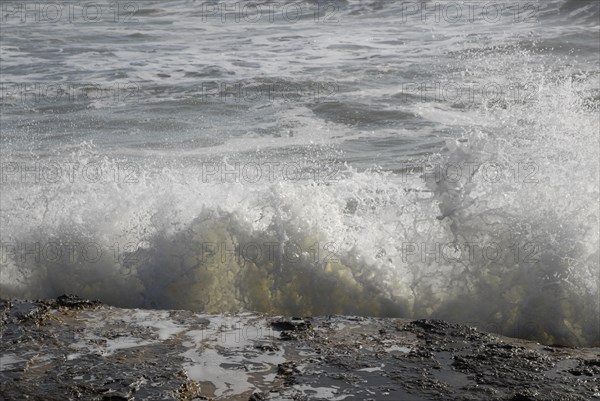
479,209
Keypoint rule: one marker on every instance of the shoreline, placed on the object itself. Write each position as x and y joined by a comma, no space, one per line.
70,348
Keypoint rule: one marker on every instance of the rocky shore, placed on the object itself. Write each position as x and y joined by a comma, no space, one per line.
74,349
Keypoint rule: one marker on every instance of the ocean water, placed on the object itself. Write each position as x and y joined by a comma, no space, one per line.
382,158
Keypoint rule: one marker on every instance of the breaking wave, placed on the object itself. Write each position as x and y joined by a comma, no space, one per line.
498,228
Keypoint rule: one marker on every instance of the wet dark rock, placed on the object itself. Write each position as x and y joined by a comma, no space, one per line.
292,329
586,368
522,397
258,397
25,312
267,347
190,390
73,301
295,324
286,371
288,336
420,353
115,397
287,368
433,326
74,349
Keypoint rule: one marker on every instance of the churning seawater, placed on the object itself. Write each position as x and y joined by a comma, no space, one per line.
387,158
